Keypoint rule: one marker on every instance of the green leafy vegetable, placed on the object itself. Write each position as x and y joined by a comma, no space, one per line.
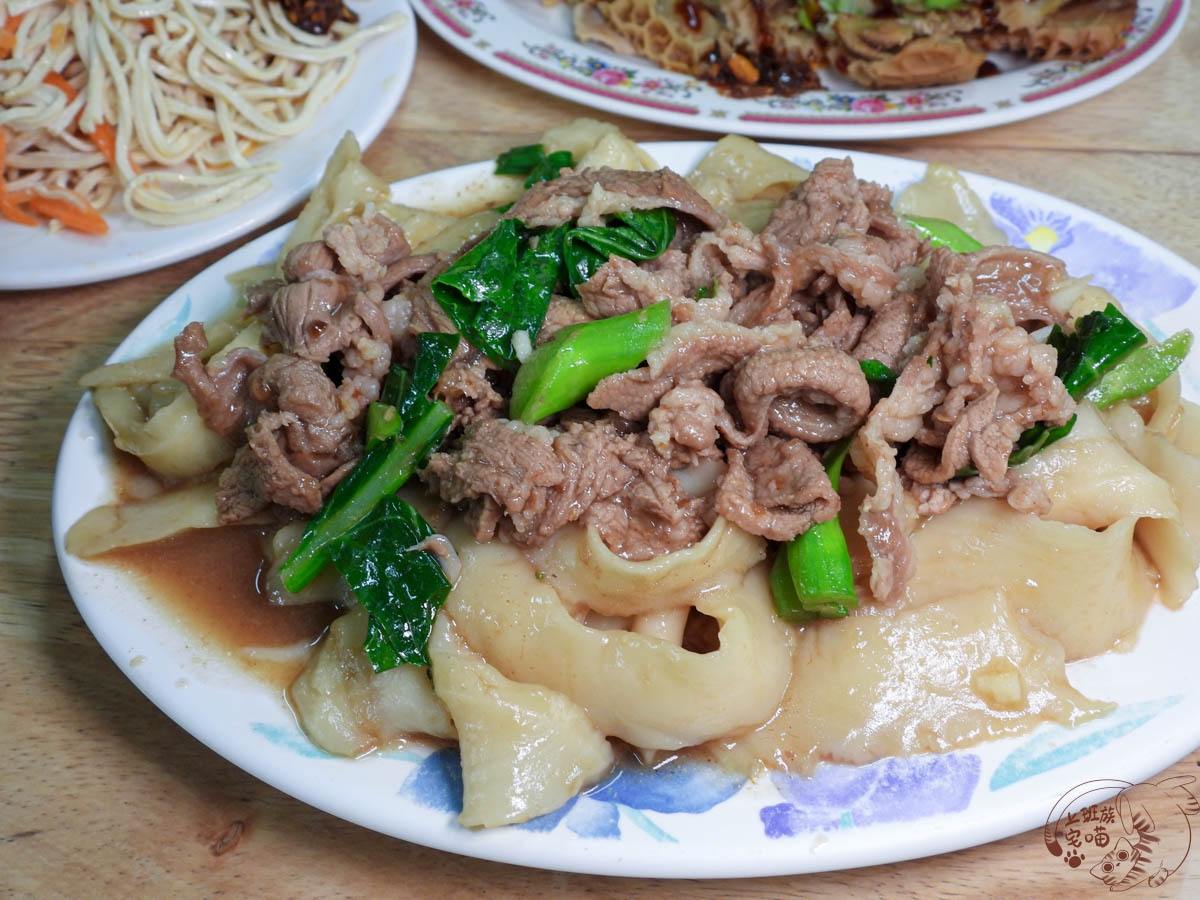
705,290
1141,371
562,371
533,161
434,351
817,563
497,287
638,234
401,588
941,233
503,284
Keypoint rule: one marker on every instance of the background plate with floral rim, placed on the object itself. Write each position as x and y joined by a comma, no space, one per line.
535,44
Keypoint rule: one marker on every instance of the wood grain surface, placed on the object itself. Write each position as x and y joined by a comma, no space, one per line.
102,796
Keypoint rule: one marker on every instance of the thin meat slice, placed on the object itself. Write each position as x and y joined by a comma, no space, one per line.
592,194
221,390
818,394
777,489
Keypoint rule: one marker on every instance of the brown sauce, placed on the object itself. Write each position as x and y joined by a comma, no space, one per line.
689,13
211,579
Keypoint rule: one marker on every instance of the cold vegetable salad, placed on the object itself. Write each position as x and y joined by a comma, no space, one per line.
682,447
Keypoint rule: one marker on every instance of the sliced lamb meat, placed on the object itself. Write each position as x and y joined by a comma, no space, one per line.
1023,279
827,203
466,388
561,312
308,259
592,194
621,286
890,328
777,489
531,481
683,428
367,245
221,390
690,352
631,395
840,328
818,394
317,435
298,448
407,268
540,479
832,226
999,381
310,317
651,515
887,516
1023,493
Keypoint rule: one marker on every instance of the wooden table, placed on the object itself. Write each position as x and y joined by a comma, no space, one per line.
102,796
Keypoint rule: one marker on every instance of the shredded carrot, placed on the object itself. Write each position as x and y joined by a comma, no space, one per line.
58,35
55,80
13,22
81,217
105,139
10,207
8,40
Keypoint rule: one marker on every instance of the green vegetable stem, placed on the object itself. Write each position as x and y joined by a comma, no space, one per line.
880,374
393,453
562,371
379,474
941,233
383,422
812,575
1100,339
1141,371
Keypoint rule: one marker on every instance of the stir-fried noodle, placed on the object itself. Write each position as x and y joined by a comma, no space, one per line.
159,103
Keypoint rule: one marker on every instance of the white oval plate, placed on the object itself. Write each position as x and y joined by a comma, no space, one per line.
690,820
34,258
535,44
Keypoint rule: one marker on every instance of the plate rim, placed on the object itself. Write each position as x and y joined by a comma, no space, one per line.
430,11
493,845
246,217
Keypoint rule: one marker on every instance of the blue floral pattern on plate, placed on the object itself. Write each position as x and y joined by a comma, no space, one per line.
1145,286
681,786
891,790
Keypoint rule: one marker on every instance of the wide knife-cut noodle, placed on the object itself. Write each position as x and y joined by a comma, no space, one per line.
159,105
621,594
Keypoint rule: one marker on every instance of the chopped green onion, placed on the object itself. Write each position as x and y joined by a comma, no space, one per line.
941,233
562,371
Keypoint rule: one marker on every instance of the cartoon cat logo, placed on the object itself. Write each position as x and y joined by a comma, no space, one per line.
1146,824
